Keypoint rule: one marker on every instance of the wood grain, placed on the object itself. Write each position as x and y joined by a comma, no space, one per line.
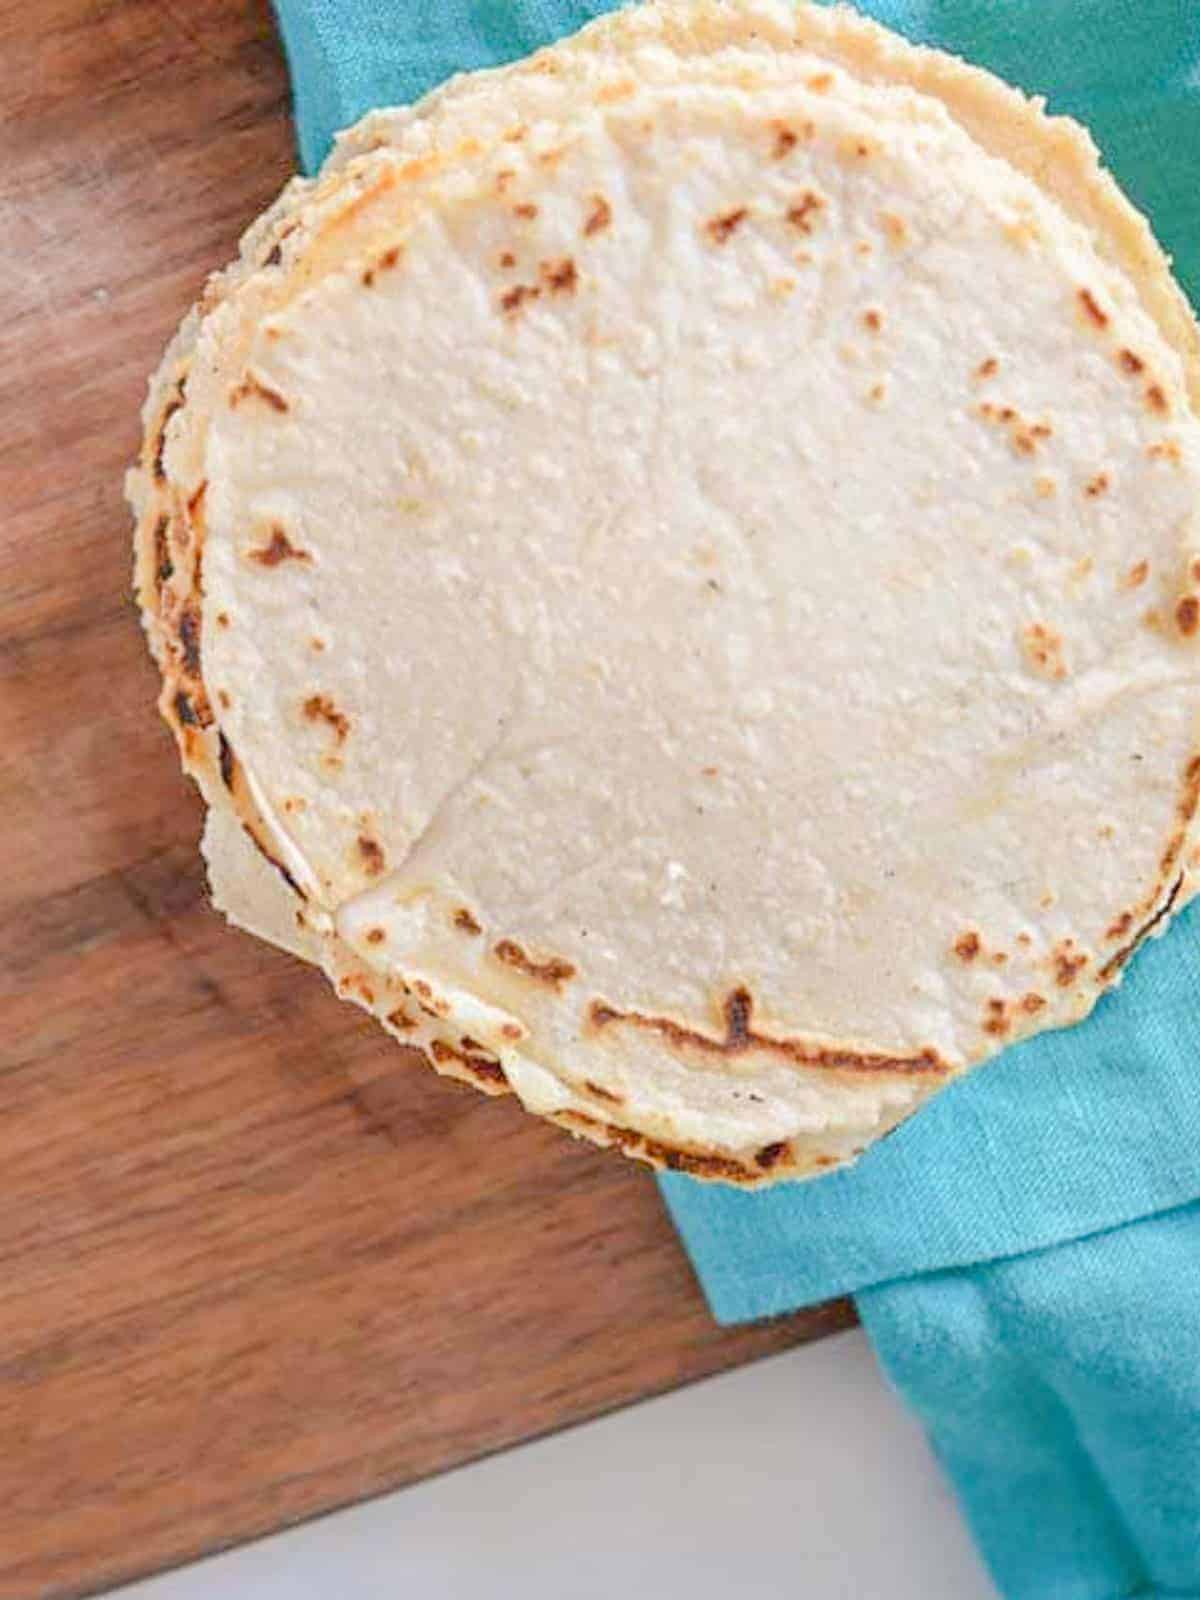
254,1263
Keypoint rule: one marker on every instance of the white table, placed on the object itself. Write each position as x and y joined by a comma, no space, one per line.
799,1476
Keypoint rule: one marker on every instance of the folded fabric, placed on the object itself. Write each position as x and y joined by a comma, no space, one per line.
1025,1253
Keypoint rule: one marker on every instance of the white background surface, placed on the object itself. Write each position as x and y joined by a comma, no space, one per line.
799,1476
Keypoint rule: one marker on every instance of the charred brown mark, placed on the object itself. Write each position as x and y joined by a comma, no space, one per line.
601,1093
1156,399
320,708
486,1070
1120,926
464,920
254,388
802,213
189,638
873,320
996,1019
274,255
385,263
968,945
821,82
1092,309
1032,1003
513,299
1115,962
222,619
371,855
672,1157
1187,615
599,216
375,935
160,443
164,567
1068,964
560,276
741,1037
1137,575
772,1154
1130,362
988,368
279,548
227,762
1097,486
507,260
722,227
401,1021
785,140
1165,450
526,211
554,970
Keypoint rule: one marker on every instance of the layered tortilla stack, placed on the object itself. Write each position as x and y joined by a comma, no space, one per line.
675,567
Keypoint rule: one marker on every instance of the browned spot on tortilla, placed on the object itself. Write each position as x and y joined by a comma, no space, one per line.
486,1070
516,134
873,320
504,178
999,958
526,210
598,217
274,255
279,548
967,946
673,1157
1115,962
513,299
1165,450
320,708
1068,963
785,140
1092,309
1045,488
226,760
1152,619
371,854
401,1021
1033,1002
996,1019
988,368
1025,939
802,212
554,970
1043,649
189,638
223,700
740,1037
1130,362
1120,927
512,1030
160,444
725,224
1187,615
164,567
1136,575
385,262
375,935
894,226
254,388
602,1093
1097,486
1156,399
560,277
222,619
316,644
772,1154
507,259
463,919
1172,852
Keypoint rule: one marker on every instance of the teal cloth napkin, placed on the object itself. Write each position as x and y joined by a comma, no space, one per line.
1026,1253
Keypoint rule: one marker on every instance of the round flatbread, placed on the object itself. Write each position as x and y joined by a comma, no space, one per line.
698,597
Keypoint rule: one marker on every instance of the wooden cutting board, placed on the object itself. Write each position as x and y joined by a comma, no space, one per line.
253,1262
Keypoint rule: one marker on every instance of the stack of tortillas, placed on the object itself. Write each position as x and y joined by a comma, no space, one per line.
675,566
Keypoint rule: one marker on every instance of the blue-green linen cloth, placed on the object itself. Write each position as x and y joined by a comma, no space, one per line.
1026,1253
